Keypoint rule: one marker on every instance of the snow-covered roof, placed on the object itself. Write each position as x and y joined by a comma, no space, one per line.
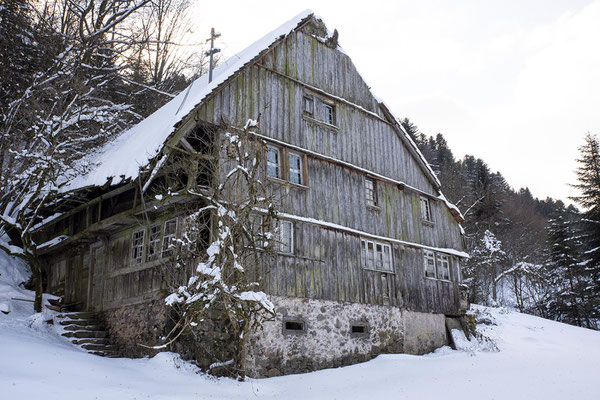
123,157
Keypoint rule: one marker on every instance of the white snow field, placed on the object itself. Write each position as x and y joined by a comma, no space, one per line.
537,359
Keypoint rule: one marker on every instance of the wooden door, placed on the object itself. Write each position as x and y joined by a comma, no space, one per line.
96,282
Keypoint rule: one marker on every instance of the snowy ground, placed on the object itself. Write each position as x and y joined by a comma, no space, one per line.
538,359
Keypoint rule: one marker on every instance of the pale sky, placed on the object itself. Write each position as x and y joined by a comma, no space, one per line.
516,83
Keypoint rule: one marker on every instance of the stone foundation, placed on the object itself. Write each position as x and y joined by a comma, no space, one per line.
326,338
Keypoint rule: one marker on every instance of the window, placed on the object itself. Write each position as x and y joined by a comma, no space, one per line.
371,192
169,237
273,162
286,237
153,242
295,168
425,209
328,116
429,259
308,104
458,271
375,255
443,267
137,247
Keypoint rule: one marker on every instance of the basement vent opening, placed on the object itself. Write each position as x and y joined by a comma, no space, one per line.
359,329
294,326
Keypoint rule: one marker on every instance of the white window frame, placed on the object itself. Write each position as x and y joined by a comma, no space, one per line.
328,111
429,255
442,263
376,255
137,246
283,242
459,276
293,170
273,164
371,192
154,240
425,209
168,238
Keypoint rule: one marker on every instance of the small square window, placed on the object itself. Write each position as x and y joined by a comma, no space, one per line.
328,114
429,260
295,168
308,104
169,237
154,242
359,329
286,237
443,267
137,247
371,192
425,209
273,162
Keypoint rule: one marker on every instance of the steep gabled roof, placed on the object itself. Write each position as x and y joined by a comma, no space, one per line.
122,158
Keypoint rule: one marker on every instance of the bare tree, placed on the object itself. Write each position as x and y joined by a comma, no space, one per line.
226,276
73,104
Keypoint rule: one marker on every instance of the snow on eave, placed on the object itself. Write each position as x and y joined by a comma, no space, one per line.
132,150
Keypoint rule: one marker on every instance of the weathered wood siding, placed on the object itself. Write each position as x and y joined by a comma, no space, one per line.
326,263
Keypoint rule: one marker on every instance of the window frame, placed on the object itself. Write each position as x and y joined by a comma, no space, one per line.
429,255
307,100
371,196
300,169
374,259
154,244
167,239
441,260
278,151
328,117
281,238
425,205
138,258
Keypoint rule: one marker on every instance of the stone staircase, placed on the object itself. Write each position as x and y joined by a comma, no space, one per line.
86,329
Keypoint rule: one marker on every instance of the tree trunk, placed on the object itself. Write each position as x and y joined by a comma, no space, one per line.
36,269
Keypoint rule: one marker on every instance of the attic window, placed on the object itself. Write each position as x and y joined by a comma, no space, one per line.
328,114
293,326
308,104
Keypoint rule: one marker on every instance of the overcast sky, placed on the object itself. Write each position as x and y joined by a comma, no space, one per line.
516,83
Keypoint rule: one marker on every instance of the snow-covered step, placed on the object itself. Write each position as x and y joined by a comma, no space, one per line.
87,330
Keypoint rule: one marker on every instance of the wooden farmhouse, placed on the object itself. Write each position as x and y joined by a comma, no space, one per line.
370,250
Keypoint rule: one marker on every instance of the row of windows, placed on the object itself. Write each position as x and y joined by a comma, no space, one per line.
376,255
298,326
157,234
325,112
294,173
437,265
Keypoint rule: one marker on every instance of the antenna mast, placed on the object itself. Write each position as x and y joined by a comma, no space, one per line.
213,50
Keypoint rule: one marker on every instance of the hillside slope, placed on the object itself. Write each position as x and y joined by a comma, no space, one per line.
537,359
